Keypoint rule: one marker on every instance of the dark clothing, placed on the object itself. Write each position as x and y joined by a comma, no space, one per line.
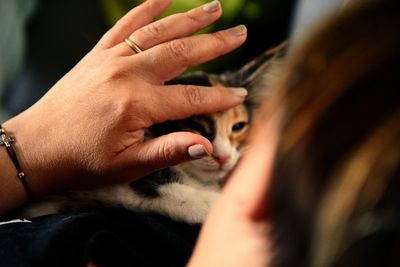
106,237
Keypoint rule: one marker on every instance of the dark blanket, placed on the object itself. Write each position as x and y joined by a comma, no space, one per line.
106,237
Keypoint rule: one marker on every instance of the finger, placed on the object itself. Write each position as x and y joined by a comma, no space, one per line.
189,51
166,151
247,188
176,26
176,102
133,20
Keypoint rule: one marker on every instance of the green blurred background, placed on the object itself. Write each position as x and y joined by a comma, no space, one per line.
267,21
54,35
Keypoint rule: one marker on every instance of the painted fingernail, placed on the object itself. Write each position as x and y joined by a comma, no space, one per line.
242,92
212,6
238,30
197,151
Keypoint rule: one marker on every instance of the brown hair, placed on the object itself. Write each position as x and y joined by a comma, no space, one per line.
335,192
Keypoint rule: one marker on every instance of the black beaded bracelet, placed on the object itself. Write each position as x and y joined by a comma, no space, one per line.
6,141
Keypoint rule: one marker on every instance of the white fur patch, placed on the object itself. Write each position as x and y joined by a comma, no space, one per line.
16,221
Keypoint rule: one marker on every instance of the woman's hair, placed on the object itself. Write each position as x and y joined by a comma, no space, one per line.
335,192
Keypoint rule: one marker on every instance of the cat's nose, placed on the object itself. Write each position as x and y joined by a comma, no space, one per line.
221,159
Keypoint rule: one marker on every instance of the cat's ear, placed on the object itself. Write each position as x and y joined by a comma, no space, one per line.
259,74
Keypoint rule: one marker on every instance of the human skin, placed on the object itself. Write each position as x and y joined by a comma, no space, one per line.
88,130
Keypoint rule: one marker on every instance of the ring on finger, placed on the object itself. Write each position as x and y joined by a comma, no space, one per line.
134,46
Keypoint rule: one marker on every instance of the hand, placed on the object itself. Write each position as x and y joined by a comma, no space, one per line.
88,129
236,230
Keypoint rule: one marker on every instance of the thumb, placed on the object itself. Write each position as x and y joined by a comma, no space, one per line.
167,150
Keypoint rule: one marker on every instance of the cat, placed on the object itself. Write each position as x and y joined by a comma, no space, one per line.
185,192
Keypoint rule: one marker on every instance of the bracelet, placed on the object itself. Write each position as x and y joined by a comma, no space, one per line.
6,141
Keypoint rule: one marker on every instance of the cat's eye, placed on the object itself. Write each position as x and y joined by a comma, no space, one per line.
239,126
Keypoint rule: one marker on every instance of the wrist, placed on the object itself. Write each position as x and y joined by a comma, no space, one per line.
27,151
12,193
6,141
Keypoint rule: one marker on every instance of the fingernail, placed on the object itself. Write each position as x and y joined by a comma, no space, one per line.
238,30
197,151
242,92
212,6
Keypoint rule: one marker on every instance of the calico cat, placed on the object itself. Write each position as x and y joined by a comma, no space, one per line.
186,191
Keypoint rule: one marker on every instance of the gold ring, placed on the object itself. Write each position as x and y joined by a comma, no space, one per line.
133,45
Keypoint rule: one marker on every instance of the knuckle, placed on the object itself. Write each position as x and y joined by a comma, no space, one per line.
125,102
107,35
149,6
154,30
219,41
180,49
166,152
192,94
192,18
123,105
220,38
114,74
122,25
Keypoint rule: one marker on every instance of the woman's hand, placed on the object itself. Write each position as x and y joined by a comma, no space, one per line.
88,129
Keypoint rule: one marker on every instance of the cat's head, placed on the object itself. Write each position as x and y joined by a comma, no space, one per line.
227,130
